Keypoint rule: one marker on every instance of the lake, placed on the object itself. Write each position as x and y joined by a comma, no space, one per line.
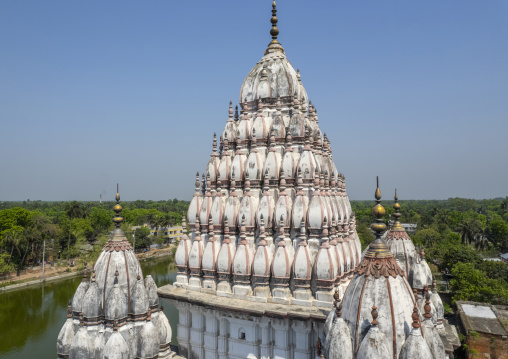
30,319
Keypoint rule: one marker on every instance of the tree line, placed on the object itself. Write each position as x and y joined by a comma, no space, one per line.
68,227
462,239
458,234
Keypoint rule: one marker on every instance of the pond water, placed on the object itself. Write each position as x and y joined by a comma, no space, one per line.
30,319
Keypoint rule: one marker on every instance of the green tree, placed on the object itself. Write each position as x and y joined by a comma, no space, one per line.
469,229
498,229
460,253
365,234
142,237
73,210
5,264
427,236
482,242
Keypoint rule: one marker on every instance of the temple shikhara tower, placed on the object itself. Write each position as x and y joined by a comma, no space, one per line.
272,266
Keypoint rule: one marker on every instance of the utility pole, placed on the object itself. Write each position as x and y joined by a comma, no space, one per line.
43,256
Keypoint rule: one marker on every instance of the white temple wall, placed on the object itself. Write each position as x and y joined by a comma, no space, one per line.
207,333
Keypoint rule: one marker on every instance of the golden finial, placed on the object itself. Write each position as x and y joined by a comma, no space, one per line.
378,211
274,45
378,248
274,31
117,208
396,224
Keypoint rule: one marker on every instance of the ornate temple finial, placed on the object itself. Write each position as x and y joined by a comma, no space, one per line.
230,111
69,309
210,227
203,184
184,224
282,184
416,318
415,293
247,184
262,231
243,230
196,230
274,31
117,208
374,314
274,45
378,248
266,181
282,242
426,307
303,233
324,231
378,211
396,224
196,184
236,113
214,143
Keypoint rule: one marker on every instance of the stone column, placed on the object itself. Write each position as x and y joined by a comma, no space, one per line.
183,328
303,344
197,330
265,350
223,337
210,335
281,331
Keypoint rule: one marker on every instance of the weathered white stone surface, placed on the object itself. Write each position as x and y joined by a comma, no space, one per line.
433,339
103,304
270,329
338,342
394,300
116,347
415,347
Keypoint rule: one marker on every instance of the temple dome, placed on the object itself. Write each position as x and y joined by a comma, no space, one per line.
112,308
380,282
272,77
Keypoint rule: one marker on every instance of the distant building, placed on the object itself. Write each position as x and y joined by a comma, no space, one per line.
172,233
486,329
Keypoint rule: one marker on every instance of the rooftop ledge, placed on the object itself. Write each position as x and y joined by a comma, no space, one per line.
243,306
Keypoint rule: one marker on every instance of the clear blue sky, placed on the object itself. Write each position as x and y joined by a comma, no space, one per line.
98,92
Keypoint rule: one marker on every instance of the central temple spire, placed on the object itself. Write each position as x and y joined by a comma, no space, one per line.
274,45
